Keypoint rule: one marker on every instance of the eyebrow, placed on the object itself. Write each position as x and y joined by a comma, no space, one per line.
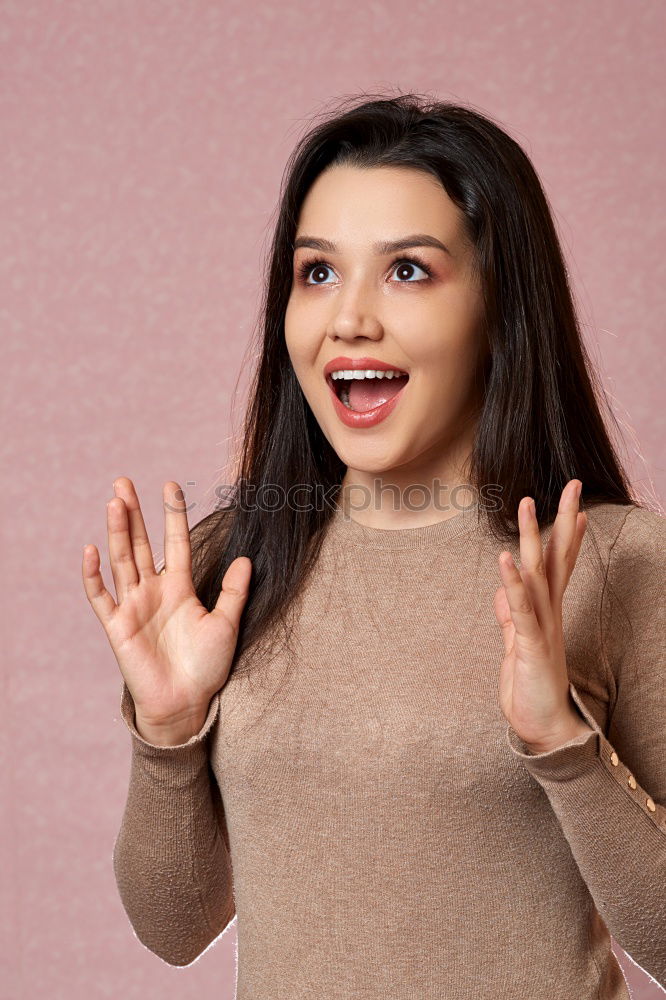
381,248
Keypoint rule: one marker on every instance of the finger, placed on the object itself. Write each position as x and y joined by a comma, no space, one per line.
522,609
532,565
564,542
177,551
503,615
234,592
123,568
581,526
143,555
100,599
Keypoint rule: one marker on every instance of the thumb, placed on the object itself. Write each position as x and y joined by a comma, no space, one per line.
235,589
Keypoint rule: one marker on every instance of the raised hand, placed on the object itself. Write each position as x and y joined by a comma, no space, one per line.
173,653
534,681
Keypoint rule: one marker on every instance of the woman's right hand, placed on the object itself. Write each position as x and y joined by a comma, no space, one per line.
174,655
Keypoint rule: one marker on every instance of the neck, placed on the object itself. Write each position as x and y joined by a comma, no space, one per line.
407,497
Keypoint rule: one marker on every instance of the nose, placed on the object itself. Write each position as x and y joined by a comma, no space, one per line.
350,322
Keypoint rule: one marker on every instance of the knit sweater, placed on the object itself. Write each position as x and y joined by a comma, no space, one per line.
365,810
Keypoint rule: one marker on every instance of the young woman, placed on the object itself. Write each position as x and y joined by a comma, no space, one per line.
449,779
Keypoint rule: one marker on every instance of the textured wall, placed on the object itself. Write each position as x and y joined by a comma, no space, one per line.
142,147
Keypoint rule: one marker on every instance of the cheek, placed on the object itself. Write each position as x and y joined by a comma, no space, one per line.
445,362
445,340
442,357
302,353
300,337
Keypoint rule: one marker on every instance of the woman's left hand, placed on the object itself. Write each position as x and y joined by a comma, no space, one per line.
534,680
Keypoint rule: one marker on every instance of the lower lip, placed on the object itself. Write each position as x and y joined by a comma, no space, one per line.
353,418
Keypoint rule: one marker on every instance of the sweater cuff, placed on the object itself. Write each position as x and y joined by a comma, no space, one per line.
128,714
581,757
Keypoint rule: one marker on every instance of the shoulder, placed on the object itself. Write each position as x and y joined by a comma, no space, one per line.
626,531
633,595
644,529
629,544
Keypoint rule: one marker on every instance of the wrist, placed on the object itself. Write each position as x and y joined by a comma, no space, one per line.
170,734
577,728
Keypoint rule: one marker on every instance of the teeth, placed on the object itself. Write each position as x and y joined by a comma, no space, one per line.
366,373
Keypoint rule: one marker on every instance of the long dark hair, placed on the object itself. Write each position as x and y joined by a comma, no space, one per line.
540,423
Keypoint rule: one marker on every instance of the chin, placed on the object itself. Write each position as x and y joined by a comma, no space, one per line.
368,460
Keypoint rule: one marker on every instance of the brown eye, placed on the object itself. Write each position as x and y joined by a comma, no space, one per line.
317,273
409,266
317,267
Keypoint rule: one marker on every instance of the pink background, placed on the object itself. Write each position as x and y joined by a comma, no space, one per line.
142,148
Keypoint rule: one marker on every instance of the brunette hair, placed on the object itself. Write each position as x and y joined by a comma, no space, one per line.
540,423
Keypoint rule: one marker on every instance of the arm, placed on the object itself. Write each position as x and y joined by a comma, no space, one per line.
171,857
608,790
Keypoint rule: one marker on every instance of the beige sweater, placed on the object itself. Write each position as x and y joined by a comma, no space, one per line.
389,835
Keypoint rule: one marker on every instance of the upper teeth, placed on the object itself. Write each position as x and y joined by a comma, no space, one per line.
366,373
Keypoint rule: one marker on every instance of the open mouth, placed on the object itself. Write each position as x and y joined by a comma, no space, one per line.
364,393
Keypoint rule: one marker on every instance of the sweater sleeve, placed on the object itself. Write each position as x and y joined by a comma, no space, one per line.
171,857
608,788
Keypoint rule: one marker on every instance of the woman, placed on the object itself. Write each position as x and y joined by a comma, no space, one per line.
460,787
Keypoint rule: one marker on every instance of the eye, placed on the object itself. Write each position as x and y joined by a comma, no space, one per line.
410,264
307,267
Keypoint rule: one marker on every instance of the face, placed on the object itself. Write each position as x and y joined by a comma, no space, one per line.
416,310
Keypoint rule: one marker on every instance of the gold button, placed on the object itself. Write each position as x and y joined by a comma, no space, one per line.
632,780
614,759
650,804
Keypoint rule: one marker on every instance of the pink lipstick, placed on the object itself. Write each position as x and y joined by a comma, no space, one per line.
358,410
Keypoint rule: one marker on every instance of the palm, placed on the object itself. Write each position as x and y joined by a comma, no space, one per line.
171,646
173,653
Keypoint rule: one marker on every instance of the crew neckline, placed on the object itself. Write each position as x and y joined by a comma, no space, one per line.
345,528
